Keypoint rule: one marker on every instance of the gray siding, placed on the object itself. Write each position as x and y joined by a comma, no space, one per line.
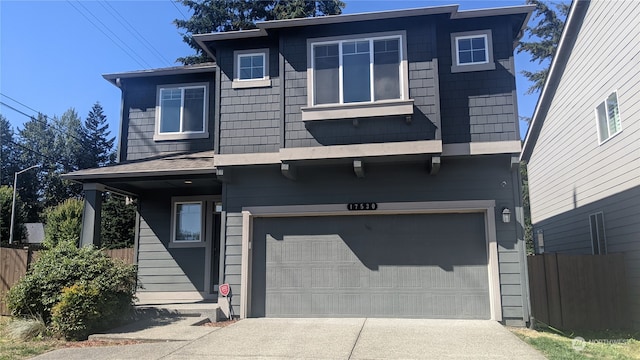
140,118
480,178
249,118
479,105
160,268
570,174
422,79
233,257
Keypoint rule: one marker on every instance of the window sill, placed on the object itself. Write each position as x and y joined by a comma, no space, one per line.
473,67
187,244
357,110
182,136
246,84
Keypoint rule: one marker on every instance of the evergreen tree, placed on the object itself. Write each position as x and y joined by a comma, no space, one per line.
36,140
231,15
98,146
6,202
118,222
9,152
542,39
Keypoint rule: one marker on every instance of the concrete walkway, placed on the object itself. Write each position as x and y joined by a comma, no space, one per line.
324,339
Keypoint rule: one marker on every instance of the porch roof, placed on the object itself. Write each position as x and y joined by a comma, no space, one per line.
175,164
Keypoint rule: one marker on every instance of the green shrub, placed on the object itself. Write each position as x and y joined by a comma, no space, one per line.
88,290
6,202
63,223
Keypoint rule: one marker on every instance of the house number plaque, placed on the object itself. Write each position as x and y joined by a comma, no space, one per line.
362,206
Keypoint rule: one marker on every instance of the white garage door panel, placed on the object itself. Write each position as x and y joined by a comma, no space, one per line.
428,266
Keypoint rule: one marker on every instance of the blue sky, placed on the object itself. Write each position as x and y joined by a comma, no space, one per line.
53,53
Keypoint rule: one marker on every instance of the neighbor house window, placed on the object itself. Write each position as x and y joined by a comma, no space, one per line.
598,238
472,51
181,112
251,68
357,70
608,116
188,221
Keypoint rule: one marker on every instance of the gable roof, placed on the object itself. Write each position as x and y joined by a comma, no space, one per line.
558,64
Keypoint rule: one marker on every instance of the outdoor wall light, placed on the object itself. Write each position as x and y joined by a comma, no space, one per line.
188,182
506,215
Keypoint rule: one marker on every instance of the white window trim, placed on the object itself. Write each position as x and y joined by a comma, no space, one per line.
400,106
604,233
182,135
595,110
250,83
208,203
489,64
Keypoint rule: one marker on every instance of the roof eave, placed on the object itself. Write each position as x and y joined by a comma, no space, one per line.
129,174
113,77
544,101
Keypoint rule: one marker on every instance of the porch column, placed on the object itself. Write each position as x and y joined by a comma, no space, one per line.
91,215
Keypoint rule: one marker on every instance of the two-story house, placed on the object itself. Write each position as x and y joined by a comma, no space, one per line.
339,166
583,147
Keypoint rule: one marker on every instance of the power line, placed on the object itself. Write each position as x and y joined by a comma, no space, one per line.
45,123
107,35
132,30
177,8
16,101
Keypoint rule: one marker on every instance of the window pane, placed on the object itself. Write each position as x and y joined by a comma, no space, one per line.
251,67
613,113
188,222
356,74
258,73
170,100
245,74
386,69
477,43
464,44
256,60
464,57
245,61
326,74
594,234
193,110
602,122
479,56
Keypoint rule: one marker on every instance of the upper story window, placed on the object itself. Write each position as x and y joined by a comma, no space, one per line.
181,112
608,117
251,68
472,51
359,70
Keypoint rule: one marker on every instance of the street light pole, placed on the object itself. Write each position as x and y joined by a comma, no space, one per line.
13,204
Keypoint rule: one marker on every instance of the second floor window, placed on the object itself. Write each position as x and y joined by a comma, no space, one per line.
358,70
472,50
608,115
251,66
182,109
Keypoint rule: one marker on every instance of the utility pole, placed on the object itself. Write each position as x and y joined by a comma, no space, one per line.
13,204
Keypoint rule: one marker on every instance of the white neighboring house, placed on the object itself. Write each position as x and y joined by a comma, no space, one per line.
583,147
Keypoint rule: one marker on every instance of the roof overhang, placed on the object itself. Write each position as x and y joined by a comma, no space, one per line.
115,78
264,27
565,46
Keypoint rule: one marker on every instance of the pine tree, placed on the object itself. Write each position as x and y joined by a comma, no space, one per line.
9,152
97,144
231,15
543,39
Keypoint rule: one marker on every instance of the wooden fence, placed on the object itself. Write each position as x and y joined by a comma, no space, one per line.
15,262
579,292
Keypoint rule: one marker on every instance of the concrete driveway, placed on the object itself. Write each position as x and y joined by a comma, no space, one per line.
329,339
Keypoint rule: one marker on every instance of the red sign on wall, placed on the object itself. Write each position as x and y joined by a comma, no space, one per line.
224,290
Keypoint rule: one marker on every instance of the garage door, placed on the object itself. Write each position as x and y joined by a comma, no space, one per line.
419,266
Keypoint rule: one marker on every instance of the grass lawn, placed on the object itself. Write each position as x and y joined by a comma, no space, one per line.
597,345
11,349
15,349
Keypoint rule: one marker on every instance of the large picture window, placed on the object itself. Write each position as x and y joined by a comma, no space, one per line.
608,116
181,111
357,70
